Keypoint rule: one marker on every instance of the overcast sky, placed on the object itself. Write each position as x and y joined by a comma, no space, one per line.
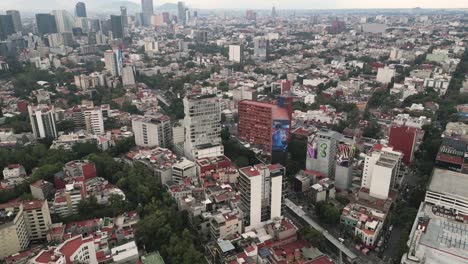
313,4
249,4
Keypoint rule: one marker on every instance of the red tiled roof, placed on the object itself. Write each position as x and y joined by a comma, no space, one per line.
45,256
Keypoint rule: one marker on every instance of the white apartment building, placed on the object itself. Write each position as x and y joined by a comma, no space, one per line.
74,250
261,191
184,169
66,201
111,59
13,171
89,118
94,120
235,53
43,121
202,125
152,130
380,171
226,225
13,231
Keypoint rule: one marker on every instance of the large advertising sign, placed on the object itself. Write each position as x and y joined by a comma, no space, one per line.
280,135
317,149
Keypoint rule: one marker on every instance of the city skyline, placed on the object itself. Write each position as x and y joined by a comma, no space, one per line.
29,5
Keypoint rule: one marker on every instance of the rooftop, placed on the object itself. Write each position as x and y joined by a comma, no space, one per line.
449,182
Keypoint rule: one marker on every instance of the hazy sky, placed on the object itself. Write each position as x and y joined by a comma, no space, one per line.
247,4
312,4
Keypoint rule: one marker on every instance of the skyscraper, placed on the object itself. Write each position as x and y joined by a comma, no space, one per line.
6,26
202,126
43,121
117,26
181,13
112,60
123,14
63,20
261,47
46,24
16,19
148,11
80,9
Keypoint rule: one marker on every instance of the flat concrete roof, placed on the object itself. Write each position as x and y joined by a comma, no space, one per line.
449,182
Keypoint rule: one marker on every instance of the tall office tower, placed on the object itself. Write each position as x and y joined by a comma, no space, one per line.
83,23
235,53
261,47
128,76
202,126
63,20
273,12
43,121
123,15
251,15
264,125
117,27
261,192
147,10
16,19
322,151
80,9
152,130
46,24
111,59
7,26
381,169
181,13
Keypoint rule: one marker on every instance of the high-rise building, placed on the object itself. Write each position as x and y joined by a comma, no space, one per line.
16,19
124,16
46,24
111,58
43,121
63,20
261,193
264,125
181,13
117,27
7,26
13,231
261,47
235,53
251,15
37,216
202,126
128,76
152,131
273,12
404,139
89,118
147,10
381,168
321,152
80,9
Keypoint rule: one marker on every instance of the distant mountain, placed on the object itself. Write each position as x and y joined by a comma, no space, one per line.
167,7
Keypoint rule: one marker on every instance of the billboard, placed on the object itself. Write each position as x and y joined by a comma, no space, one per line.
317,148
280,135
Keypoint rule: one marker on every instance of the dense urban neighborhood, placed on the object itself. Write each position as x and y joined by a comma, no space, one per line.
178,135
